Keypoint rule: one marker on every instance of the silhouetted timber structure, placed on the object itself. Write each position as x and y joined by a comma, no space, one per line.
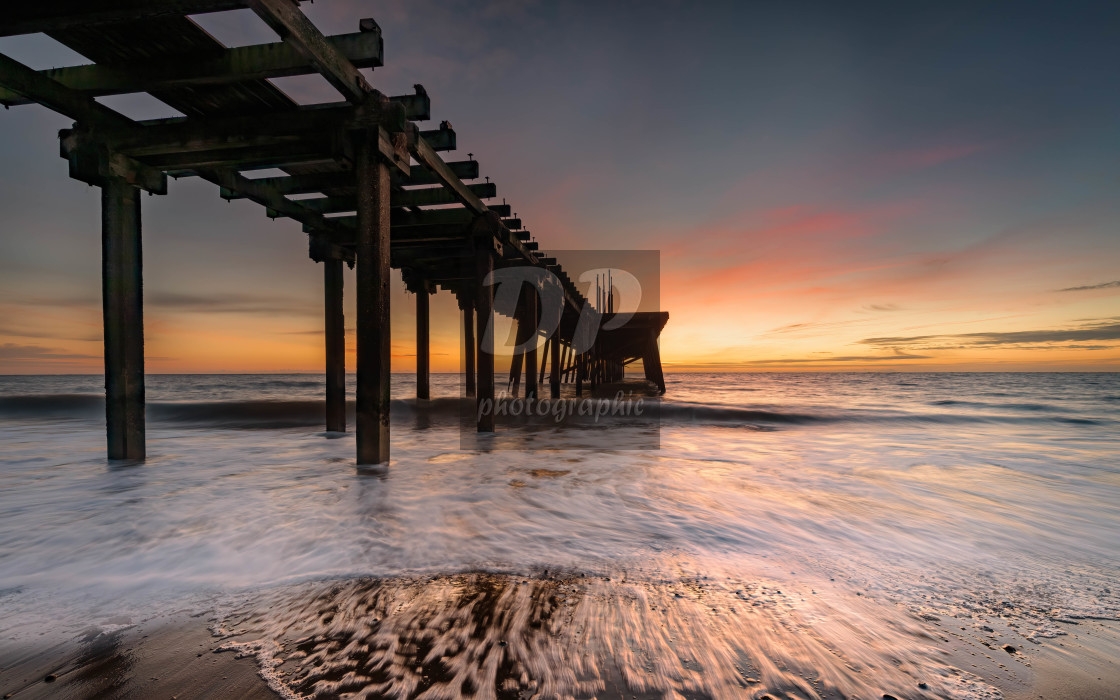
375,170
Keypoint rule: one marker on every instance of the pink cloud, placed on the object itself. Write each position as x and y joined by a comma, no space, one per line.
928,156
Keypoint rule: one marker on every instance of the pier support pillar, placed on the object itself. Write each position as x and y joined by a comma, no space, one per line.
423,358
514,384
372,253
123,316
467,305
484,309
531,316
581,370
554,379
335,332
544,359
651,363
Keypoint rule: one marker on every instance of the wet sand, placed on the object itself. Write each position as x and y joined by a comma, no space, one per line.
167,657
1083,663
476,636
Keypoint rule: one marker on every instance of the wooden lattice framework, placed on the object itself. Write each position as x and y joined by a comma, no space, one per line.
373,167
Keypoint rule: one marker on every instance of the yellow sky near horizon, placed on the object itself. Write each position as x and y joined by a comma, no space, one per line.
748,331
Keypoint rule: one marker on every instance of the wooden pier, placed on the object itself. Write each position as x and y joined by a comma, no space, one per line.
377,175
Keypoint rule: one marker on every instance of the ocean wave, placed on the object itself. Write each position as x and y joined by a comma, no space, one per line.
999,406
273,413
52,406
716,414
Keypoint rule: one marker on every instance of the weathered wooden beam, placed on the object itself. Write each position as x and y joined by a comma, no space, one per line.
47,15
262,194
94,163
320,248
401,198
341,233
242,63
321,182
437,233
51,94
426,156
252,157
441,139
434,196
302,184
91,165
182,155
462,169
418,106
192,134
186,133
402,218
296,29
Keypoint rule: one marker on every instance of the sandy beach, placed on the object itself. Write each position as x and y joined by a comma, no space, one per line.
486,636
166,657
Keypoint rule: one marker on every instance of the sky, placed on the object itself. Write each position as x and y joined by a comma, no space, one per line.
831,186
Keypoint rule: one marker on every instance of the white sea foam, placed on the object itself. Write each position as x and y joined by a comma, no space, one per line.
815,556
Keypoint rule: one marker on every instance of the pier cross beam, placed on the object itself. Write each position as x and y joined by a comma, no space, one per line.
355,155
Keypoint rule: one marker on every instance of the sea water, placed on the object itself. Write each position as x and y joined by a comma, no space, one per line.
798,535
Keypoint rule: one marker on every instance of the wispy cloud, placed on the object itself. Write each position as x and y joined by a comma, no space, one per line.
39,334
228,303
929,156
882,307
815,327
1099,331
1089,287
898,355
13,351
